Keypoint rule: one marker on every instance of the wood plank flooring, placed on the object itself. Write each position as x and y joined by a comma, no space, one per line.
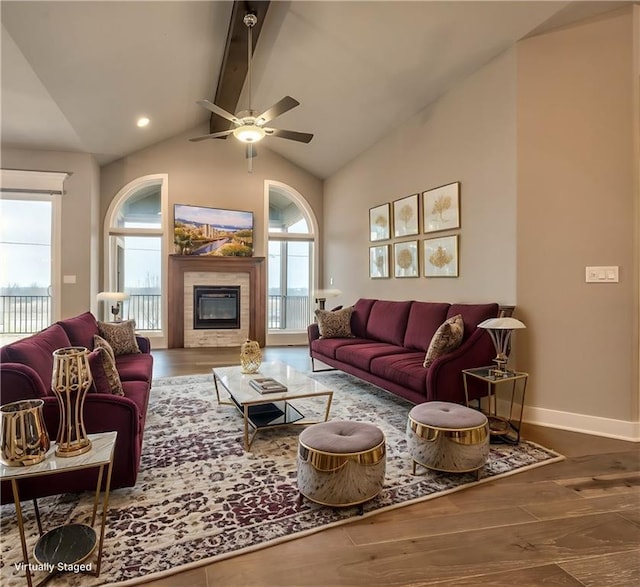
573,523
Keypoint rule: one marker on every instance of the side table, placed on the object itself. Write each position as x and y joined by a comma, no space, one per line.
63,548
508,428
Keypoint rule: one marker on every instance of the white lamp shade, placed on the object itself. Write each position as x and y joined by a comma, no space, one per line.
112,296
326,293
501,324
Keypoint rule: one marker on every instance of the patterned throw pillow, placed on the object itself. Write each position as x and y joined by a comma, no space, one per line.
121,336
105,375
99,342
446,339
335,324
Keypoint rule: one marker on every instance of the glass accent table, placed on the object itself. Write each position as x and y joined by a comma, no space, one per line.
63,548
263,410
506,429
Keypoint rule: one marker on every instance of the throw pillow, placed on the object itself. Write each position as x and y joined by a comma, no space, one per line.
335,324
121,336
446,339
103,370
99,342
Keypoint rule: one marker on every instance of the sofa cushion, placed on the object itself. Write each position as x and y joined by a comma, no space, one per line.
334,324
424,319
361,355
403,369
37,352
135,367
137,392
329,346
472,315
360,317
388,321
99,342
103,370
121,336
80,329
446,339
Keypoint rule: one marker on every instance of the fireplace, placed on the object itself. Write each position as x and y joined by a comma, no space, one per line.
216,307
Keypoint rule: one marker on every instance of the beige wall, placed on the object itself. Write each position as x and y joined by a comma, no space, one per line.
469,135
212,173
542,141
80,204
577,186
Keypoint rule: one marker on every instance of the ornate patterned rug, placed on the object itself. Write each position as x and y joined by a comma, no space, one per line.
201,498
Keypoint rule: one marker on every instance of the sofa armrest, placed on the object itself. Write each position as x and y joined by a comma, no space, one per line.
144,344
444,378
19,381
313,332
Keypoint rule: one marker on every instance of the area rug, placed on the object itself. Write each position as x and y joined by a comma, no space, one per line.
200,497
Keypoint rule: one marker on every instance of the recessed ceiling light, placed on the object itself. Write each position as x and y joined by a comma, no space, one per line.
143,121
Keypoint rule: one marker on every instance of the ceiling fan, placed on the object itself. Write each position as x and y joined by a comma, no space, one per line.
249,128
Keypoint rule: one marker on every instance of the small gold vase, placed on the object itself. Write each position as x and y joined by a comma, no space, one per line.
70,382
24,436
250,356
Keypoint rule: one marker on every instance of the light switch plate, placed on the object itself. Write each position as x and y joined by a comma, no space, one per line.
602,274
68,279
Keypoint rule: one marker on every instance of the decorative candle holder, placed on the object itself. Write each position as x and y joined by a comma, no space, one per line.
24,436
70,382
250,356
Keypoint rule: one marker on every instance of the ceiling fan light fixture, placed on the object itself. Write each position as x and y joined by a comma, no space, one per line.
249,133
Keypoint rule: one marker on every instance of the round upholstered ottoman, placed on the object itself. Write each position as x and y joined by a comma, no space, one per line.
448,437
341,463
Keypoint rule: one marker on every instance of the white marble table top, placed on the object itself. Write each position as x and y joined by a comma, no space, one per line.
101,453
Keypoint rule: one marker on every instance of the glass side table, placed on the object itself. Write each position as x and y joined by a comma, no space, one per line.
65,547
504,428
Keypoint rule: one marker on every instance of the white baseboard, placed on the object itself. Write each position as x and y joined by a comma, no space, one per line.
619,429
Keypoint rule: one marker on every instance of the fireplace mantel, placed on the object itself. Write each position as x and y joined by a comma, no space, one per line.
181,264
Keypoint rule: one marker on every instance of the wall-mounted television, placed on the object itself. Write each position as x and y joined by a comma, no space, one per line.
198,230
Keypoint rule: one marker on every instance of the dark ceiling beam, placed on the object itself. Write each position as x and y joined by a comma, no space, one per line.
234,63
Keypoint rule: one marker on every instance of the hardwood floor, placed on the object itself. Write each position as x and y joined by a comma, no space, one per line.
573,523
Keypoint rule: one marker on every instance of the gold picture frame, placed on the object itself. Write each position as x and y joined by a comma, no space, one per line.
440,256
406,262
380,222
379,262
441,208
406,217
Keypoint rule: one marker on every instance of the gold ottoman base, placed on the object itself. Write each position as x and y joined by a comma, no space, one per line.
447,437
341,464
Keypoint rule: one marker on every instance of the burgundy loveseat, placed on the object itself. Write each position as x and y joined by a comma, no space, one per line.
26,367
389,343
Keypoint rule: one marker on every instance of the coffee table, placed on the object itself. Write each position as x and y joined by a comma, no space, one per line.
267,410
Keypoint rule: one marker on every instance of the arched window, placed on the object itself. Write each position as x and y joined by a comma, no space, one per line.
135,228
291,260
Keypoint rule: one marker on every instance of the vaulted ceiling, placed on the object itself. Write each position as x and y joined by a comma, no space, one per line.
76,75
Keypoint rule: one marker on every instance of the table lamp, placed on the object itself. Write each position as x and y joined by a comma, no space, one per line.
500,330
114,296
321,296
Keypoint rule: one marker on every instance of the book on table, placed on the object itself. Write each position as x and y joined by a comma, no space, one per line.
267,385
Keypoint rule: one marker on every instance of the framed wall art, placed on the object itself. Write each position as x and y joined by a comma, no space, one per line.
379,262
405,216
380,222
441,208
441,256
405,256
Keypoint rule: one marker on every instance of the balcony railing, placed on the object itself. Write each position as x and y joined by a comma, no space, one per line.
24,314
288,312
29,314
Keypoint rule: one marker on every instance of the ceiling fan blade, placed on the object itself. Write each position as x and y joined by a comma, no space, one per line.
292,135
219,111
250,151
287,103
216,135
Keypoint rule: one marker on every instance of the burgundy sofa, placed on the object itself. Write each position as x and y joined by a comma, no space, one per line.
26,367
390,342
